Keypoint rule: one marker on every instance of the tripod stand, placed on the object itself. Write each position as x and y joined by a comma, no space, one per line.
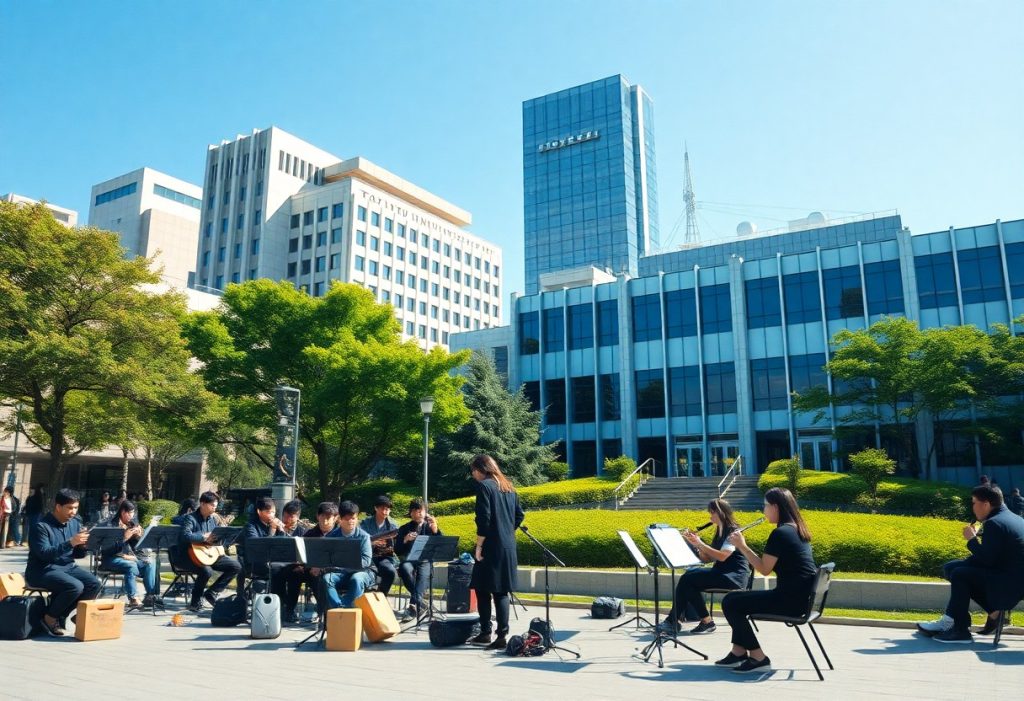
432,549
639,561
666,550
549,557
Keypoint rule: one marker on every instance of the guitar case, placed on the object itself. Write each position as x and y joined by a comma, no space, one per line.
266,617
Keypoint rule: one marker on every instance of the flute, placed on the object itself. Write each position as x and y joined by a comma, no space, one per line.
758,522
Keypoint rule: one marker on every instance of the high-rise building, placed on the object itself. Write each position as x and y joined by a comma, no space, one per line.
156,215
589,179
277,207
67,217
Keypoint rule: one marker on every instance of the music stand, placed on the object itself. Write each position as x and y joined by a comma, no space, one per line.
266,551
671,550
328,554
225,535
101,537
431,548
157,538
549,557
639,562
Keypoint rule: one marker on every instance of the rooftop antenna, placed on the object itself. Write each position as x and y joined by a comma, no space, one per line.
692,233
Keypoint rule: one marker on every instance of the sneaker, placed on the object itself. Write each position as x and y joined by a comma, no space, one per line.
149,600
703,628
752,665
135,603
939,625
499,644
954,636
731,660
55,630
210,596
408,615
669,627
482,639
195,607
990,626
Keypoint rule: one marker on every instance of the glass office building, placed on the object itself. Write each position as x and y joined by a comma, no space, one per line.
693,362
589,179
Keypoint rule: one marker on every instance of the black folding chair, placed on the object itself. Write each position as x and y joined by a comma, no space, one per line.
815,609
1004,620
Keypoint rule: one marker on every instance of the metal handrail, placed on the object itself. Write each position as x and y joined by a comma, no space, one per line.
644,476
732,469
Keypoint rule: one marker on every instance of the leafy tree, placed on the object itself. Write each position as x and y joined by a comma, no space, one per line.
360,384
788,468
503,425
233,467
872,465
80,331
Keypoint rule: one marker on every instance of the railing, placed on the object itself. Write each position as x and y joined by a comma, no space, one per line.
733,472
643,472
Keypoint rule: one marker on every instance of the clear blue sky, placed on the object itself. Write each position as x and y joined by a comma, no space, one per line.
840,107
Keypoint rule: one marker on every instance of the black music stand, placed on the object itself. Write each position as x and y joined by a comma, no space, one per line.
432,549
157,538
101,537
329,554
671,550
639,562
266,551
226,535
549,557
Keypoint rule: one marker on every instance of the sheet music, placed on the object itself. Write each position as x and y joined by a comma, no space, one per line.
154,521
672,549
300,546
634,551
416,551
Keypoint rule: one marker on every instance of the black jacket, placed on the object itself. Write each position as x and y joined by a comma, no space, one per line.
1000,549
401,547
498,515
125,547
49,547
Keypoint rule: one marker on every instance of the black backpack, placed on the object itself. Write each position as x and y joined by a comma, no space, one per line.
607,607
454,630
543,629
229,612
20,616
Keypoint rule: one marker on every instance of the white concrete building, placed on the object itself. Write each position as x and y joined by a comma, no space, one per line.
280,208
156,215
67,217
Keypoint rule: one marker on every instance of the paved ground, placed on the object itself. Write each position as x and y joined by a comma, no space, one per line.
154,660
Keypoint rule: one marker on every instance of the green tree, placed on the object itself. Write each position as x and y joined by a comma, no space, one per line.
79,330
503,425
360,384
788,468
872,465
233,467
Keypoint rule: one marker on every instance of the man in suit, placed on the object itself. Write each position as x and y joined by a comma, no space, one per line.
992,575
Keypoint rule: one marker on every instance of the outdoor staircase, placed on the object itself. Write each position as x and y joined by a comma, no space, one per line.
671,493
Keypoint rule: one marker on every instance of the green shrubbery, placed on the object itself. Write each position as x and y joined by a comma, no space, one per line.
556,471
789,469
157,507
617,468
578,491
908,495
855,542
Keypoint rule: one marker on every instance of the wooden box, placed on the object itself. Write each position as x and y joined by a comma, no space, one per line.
99,619
344,629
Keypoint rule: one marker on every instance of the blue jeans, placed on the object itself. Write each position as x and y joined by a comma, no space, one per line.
354,584
131,569
415,576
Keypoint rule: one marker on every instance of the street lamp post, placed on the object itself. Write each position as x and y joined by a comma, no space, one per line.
427,407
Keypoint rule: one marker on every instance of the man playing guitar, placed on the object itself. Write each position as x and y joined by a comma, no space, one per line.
197,530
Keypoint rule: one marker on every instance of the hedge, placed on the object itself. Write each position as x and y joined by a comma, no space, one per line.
584,490
157,507
902,494
855,542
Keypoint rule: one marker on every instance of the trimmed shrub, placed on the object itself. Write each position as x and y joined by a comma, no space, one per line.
872,465
164,508
855,542
789,469
585,490
556,471
617,468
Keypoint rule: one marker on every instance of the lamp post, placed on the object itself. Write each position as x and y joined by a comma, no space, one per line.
427,407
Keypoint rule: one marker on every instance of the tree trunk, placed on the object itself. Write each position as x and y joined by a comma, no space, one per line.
124,470
149,473
57,458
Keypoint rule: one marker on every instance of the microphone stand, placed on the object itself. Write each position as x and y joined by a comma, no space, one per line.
549,557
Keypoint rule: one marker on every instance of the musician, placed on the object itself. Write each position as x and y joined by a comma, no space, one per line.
730,569
498,515
415,575
326,521
55,543
197,528
187,507
378,525
353,582
105,512
992,575
123,559
290,519
788,554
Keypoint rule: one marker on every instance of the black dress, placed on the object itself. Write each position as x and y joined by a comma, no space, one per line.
498,515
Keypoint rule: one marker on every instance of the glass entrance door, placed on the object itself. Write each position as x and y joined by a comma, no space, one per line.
689,460
815,452
723,455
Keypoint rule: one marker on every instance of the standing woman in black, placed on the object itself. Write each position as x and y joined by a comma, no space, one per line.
788,554
498,515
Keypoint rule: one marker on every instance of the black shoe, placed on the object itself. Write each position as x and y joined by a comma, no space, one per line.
954,636
731,660
703,628
752,665
482,639
195,606
210,596
408,615
499,644
990,626
55,630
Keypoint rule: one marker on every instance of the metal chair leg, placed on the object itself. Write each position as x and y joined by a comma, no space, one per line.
814,662
820,646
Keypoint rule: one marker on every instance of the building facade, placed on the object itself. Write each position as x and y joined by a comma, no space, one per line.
279,208
67,217
589,179
156,216
693,362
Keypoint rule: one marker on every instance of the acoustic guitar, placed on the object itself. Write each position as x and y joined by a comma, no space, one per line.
203,555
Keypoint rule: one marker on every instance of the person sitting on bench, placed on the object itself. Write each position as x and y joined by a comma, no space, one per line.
55,543
992,575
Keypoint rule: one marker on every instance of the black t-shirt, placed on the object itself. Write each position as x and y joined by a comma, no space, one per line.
795,569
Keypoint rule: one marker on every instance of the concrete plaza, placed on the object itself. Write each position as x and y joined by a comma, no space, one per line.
155,660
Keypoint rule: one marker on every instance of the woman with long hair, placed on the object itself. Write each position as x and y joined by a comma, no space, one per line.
730,569
498,515
788,554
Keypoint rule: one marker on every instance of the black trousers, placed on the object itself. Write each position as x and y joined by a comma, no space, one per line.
738,605
965,583
387,571
501,610
67,587
690,591
228,567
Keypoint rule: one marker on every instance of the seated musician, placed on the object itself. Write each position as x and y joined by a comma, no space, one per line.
352,582
123,559
197,529
729,569
264,524
992,575
415,575
54,544
290,519
326,522
382,531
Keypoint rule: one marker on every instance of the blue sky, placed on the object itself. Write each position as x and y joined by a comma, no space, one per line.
787,107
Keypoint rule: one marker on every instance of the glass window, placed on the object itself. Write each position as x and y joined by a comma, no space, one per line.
373,267
768,381
581,327
337,210
389,224
936,283
981,275
412,257
399,277
400,253
554,391
321,262
436,246
335,261
375,221
224,225
1015,267
646,318
680,313
293,245
305,267
763,308
411,281
401,231
292,267
361,214
335,235
295,221
715,309
684,390
885,286
806,371
307,242
650,394
607,322
321,238
360,263
238,251
529,333
409,328
374,243
307,218
220,254
360,238
584,458
531,391
554,330
611,408
435,267
803,303
321,215
387,248
318,289
423,308
583,410
844,298
720,388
